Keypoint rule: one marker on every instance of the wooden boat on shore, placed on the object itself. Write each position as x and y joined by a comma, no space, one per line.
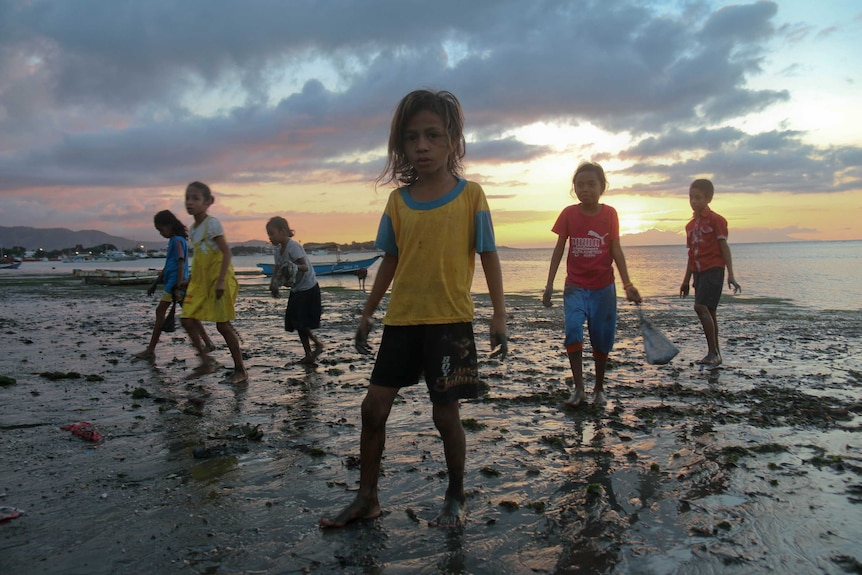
12,266
330,268
116,277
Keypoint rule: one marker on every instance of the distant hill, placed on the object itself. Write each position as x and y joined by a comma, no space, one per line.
50,239
653,237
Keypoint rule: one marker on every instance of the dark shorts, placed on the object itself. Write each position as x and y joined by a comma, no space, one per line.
303,309
707,287
445,353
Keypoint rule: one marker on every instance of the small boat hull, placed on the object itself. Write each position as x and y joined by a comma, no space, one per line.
116,277
330,268
12,266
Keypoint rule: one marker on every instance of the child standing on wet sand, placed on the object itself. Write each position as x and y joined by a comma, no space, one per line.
593,232
708,255
303,306
430,231
212,289
176,270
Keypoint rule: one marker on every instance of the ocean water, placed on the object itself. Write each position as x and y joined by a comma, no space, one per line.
819,275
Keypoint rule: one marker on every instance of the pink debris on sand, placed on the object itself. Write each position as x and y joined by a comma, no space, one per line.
7,513
84,429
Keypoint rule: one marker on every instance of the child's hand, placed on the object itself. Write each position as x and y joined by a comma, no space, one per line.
274,291
683,289
499,335
546,296
152,289
219,289
501,340
632,294
360,341
731,283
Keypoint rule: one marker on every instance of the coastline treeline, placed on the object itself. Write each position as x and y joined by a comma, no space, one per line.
20,252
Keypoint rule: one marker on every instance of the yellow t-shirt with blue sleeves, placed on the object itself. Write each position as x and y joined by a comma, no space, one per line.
436,243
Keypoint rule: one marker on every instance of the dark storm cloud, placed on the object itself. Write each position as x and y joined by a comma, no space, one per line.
108,93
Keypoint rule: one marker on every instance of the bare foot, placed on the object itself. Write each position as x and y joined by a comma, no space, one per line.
577,399
307,360
357,510
238,376
453,514
599,399
201,370
146,354
711,360
209,346
318,349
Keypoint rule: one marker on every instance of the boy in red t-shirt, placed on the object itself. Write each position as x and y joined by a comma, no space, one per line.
593,232
708,255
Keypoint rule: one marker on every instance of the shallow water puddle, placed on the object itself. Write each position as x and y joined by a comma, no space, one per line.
213,468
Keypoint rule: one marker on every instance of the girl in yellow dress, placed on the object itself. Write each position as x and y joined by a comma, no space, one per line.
212,288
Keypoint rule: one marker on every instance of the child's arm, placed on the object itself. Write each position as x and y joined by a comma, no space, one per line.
175,291
225,264
632,293
301,264
274,287
159,279
273,281
556,258
494,278
384,276
728,261
180,261
686,279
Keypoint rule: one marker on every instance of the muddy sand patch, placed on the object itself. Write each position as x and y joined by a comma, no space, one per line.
755,467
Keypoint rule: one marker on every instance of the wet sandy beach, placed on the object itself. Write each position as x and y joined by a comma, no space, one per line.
752,468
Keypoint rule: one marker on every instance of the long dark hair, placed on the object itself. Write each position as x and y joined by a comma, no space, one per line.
167,218
442,103
279,223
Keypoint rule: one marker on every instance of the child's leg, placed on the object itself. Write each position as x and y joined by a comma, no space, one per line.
710,331
708,286
318,347
447,419
191,327
306,342
306,336
232,340
375,411
601,362
575,310
205,338
712,312
603,331
576,361
161,312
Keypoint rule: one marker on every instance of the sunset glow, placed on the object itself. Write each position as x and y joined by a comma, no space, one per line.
760,97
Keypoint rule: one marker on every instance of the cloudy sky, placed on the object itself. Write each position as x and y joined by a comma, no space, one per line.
109,108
